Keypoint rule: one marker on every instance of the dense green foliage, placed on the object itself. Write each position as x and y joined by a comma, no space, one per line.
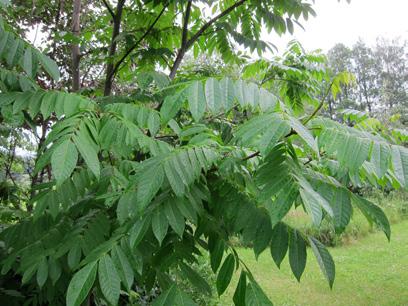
143,181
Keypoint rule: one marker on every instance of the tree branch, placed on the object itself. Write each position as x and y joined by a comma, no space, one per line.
257,153
182,51
109,8
12,154
318,108
119,63
112,49
75,47
197,35
184,41
184,35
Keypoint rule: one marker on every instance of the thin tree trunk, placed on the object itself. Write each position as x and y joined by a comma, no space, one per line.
112,49
38,177
75,47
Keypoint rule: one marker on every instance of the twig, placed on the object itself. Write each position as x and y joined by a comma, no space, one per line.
119,63
109,8
197,35
184,34
257,153
318,108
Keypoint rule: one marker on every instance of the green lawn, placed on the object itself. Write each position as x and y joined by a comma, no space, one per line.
368,272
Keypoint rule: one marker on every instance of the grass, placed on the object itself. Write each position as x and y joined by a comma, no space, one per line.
368,272
394,208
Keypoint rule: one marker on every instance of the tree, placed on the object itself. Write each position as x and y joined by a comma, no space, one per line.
393,76
171,167
340,60
365,71
381,78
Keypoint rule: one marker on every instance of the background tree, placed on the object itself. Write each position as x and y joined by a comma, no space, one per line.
393,73
381,77
340,60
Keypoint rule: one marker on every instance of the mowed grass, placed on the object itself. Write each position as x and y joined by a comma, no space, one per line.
371,271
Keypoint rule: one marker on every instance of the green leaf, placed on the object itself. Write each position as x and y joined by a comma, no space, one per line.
255,296
311,201
380,158
342,209
126,206
159,225
48,104
227,93
324,260
21,101
187,210
150,179
81,284
400,164
28,274
196,100
71,104
213,95
123,267
354,152
49,66
167,297
225,274
240,291
304,133
99,250
138,231
216,255
64,160
109,280
263,131
174,216
280,243
12,52
54,269
182,299
34,103
267,100
280,206
74,256
351,149
5,37
373,214
174,177
171,106
28,62
263,236
153,123
86,147
195,279
297,254
173,296
42,272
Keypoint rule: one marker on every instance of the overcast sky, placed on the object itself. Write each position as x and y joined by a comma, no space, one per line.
346,22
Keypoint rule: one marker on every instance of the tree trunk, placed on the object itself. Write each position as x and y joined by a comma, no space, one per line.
75,47
112,49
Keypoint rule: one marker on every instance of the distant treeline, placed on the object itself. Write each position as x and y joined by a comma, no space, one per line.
381,72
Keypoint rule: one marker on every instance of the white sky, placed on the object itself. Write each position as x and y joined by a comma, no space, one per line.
346,22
